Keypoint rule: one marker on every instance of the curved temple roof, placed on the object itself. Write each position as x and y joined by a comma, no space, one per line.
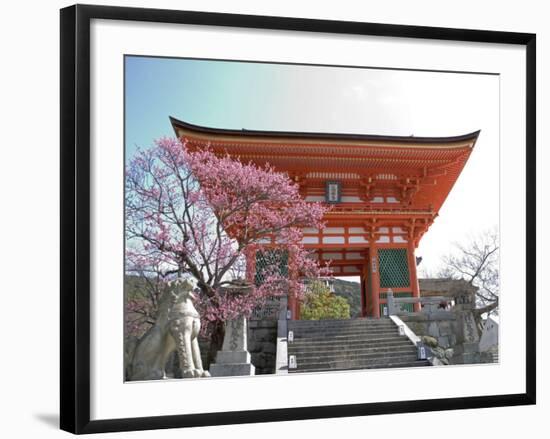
181,128
413,175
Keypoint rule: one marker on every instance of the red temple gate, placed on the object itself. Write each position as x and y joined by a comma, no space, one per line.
385,192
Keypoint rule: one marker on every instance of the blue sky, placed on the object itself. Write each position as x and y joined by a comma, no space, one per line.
210,93
278,97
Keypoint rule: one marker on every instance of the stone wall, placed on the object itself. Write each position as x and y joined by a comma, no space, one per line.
262,345
455,329
448,331
443,328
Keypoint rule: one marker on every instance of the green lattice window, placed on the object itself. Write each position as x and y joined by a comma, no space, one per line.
394,269
409,307
267,260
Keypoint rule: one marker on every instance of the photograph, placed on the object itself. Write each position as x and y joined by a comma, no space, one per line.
286,218
274,219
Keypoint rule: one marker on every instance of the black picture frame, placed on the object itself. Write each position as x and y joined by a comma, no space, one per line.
75,217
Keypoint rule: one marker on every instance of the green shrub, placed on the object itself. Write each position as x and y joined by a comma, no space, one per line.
320,303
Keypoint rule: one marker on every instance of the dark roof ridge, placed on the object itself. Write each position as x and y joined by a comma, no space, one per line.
302,135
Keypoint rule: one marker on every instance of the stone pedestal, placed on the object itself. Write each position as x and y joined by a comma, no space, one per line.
234,358
281,360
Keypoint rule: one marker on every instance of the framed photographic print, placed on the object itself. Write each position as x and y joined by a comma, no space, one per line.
274,218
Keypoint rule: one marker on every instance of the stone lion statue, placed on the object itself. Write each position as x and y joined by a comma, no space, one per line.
176,328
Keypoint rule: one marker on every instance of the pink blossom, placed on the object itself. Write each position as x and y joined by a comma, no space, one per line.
199,214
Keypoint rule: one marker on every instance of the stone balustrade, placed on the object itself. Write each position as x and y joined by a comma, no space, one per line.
453,328
431,304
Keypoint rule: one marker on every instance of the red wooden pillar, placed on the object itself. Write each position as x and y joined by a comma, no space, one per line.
374,273
364,271
412,275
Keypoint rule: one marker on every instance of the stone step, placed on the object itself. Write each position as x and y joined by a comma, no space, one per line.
331,345
357,363
405,364
340,332
336,321
345,350
326,345
339,323
356,356
333,326
348,337
346,363
350,341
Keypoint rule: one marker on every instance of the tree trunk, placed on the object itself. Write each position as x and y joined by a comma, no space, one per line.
217,332
478,312
487,308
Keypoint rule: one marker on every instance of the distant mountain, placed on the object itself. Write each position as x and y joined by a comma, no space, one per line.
351,291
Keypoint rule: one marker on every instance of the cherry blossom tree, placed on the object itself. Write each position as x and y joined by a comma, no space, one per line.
199,215
145,283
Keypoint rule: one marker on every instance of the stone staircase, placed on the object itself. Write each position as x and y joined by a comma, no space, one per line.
325,345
